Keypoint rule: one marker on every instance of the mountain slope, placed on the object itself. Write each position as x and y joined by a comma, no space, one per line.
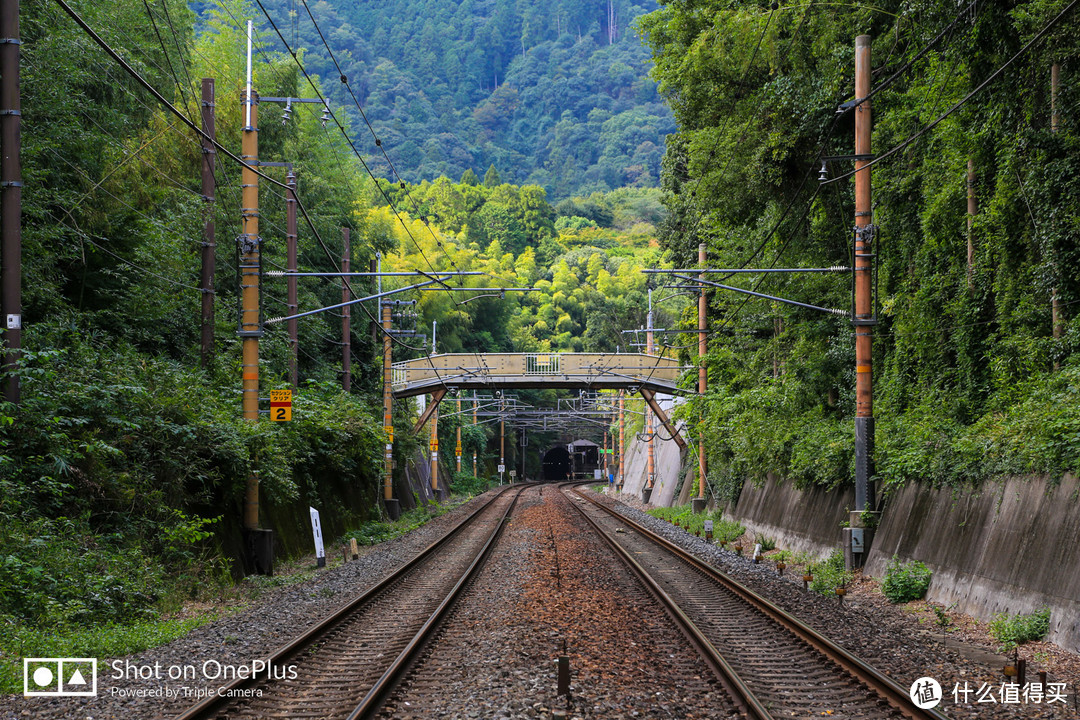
554,94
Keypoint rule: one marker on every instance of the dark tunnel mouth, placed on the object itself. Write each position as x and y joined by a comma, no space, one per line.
556,464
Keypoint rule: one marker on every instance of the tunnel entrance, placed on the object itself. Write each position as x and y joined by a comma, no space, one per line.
556,464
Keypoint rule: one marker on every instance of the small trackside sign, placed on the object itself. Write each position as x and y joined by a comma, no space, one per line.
281,405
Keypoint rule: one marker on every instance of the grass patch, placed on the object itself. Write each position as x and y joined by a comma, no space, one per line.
766,543
830,574
724,530
375,532
18,640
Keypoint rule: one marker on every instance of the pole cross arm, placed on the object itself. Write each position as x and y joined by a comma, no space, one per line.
650,397
436,398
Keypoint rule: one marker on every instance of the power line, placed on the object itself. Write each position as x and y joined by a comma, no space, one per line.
165,52
363,162
83,235
187,121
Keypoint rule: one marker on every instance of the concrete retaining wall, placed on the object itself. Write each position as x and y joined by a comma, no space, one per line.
668,462
1013,546
800,520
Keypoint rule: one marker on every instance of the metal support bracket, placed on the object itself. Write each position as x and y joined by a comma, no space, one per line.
436,398
650,398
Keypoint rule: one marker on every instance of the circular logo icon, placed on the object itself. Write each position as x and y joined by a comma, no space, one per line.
43,676
925,693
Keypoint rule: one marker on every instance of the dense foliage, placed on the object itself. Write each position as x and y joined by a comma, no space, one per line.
972,380
125,457
554,94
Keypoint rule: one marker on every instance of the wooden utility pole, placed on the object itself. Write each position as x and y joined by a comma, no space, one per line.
457,450
250,322
622,433
864,313
10,198
1057,322
346,314
702,308
393,508
209,246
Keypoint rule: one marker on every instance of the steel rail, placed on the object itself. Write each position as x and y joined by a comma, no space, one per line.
373,701
740,693
896,696
211,706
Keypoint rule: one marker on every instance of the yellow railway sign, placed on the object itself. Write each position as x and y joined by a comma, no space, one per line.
281,405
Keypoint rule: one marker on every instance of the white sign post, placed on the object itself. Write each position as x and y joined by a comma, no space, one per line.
316,531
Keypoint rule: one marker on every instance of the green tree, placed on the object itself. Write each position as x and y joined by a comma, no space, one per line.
491,178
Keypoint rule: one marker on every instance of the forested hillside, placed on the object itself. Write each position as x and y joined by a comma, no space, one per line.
973,377
554,94
122,469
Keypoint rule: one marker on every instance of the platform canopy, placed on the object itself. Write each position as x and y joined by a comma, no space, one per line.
506,371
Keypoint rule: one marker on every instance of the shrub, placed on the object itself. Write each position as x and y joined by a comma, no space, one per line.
766,543
905,581
1013,630
830,574
467,484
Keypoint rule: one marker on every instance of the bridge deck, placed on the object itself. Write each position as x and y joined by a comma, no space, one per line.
571,371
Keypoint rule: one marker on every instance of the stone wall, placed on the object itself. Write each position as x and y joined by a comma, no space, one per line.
668,460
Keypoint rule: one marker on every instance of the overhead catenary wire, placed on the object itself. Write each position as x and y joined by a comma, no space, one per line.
352,145
963,101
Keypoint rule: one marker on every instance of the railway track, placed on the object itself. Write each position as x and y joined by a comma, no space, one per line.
346,663
775,666
552,589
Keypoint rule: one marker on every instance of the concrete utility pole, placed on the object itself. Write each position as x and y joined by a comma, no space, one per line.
864,313
651,469
435,399
250,322
457,450
434,449
206,284
474,404
393,508
10,197
622,433
346,314
291,237
702,308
